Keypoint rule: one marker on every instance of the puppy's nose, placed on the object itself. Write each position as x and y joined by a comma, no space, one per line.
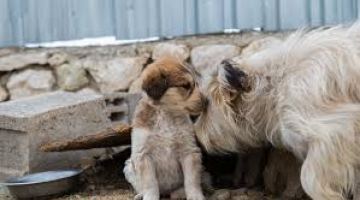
203,103
206,103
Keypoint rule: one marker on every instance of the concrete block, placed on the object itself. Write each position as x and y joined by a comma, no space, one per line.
25,124
121,106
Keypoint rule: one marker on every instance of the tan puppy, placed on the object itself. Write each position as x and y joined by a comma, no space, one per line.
165,156
303,95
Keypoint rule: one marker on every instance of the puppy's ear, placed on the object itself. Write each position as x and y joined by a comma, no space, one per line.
154,85
233,81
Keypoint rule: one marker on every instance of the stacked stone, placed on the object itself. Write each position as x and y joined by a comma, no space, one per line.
107,70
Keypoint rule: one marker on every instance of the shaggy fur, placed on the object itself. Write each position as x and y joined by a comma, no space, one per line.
165,155
301,94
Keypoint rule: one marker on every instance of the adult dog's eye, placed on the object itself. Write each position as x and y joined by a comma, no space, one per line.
186,86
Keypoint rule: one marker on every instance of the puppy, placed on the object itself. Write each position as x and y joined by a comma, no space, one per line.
302,95
165,155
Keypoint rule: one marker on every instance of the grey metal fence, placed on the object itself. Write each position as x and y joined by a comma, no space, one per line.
35,21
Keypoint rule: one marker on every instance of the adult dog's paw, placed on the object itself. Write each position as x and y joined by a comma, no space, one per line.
196,196
150,197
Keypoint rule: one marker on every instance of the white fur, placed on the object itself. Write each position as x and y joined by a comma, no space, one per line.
305,97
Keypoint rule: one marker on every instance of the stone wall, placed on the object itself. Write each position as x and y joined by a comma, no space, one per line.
108,69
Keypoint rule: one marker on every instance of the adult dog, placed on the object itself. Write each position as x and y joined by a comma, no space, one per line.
302,94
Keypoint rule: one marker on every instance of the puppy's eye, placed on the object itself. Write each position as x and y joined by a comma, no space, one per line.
186,86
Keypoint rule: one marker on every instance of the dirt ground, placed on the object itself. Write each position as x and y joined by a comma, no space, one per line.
104,181
127,195
101,195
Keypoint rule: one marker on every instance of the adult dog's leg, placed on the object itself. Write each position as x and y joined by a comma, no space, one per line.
192,168
317,176
255,166
146,177
357,185
239,169
249,168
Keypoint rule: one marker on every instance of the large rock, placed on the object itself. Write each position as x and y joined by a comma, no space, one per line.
222,194
71,76
282,175
115,74
86,91
120,106
3,94
8,51
258,45
20,60
30,82
180,51
58,58
207,58
26,124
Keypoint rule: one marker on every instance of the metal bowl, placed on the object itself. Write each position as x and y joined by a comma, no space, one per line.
43,184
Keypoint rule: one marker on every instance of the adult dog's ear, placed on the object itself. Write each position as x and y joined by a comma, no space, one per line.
233,81
154,85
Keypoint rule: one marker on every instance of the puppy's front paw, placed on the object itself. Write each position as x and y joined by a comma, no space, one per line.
196,196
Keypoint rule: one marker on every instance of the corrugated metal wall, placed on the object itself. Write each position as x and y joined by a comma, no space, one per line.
35,21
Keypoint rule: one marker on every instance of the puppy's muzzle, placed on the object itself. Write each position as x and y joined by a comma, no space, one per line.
194,117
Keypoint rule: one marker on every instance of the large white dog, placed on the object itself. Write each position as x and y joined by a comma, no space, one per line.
302,94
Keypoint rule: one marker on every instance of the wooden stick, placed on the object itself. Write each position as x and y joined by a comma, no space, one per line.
111,137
